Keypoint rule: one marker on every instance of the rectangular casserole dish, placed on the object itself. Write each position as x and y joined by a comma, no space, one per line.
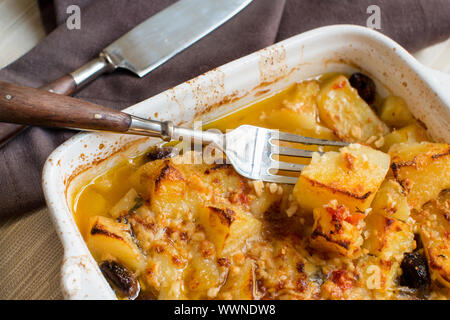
340,48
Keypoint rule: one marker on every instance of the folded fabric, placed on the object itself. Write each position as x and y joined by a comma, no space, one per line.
414,24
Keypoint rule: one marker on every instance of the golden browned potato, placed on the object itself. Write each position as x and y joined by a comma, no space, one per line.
176,189
336,230
423,170
129,201
221,183
202,276
391,201
165,185
164,272
228,228
394,112
300,114
434,229
349,116
110,239
411,133
378,275
387,238
351,176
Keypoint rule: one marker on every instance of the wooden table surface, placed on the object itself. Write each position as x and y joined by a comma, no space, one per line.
36,274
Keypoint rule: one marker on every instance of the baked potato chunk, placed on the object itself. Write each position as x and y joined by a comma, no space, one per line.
202,277
349,116
94,204
176,189
300,114
164,272
228,228
434,229
387,238
394,112
378,275
423,170
108,238
337,231
224,184
411,133
131,200
240,284
164,184
390,201
351,176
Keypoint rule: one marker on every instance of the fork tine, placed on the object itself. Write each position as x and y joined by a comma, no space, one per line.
281,165
286,151
280,179
305,140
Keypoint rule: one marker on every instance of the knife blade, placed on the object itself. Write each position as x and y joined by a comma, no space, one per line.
170,31
147,46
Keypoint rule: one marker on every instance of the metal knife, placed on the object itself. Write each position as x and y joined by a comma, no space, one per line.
147,46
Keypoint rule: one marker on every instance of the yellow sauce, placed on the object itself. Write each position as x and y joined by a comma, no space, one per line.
102,193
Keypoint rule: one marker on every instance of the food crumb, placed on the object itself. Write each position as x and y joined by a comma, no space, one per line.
379,143
212,292
280,190
291,210
273,188
356,132
371,139
259,187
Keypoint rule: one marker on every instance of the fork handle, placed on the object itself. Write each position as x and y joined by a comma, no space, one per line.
66,85
28,106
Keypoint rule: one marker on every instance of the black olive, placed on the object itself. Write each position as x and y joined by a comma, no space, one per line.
123,280
365,86
159,153
415,271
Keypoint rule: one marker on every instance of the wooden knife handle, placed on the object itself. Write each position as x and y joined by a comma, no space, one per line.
8,131
65,85
30,106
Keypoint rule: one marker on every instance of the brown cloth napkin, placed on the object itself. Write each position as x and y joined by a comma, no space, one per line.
413,23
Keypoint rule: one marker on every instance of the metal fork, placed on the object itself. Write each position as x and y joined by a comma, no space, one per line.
251,150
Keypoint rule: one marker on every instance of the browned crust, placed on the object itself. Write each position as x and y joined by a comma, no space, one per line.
437,266
169,173
317,233
177,261
349,160
395,166
223,262
388,221
227,216
250,285
336,190
147,225
98,229
217,167
439,155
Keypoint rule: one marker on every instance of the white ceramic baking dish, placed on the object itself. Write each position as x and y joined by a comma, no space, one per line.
335,48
